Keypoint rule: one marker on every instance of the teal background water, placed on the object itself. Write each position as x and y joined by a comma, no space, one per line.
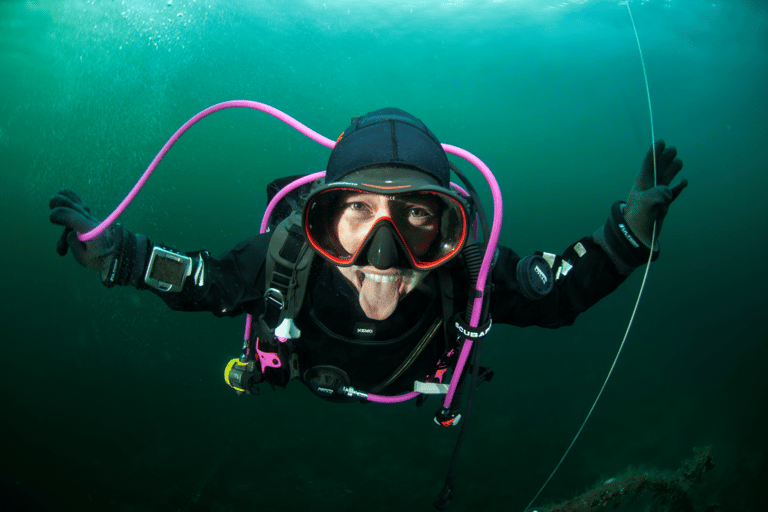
109,399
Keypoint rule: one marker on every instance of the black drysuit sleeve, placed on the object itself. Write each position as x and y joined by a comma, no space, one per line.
584,274
230,284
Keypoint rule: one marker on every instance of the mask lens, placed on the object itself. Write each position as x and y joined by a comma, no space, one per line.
430,225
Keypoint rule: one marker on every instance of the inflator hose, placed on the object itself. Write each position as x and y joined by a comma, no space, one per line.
473,262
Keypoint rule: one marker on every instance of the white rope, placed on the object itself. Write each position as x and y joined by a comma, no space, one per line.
642,285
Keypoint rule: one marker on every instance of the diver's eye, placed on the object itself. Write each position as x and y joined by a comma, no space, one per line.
359,210
417,211
420,217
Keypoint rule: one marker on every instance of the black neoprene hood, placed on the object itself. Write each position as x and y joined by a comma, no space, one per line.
388,136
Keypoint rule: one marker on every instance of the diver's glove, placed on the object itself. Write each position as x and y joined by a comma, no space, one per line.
648,203
120,255
626,235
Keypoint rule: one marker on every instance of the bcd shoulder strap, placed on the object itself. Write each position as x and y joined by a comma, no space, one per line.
289,260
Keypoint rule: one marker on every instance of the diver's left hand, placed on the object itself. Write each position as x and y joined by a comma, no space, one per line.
649,202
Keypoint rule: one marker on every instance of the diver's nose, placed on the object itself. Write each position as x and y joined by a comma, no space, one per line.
383,252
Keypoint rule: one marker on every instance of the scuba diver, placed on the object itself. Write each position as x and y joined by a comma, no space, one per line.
359,288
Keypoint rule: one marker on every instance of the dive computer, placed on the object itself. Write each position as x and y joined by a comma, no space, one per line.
167,270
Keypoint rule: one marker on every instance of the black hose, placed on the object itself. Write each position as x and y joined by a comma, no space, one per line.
473,261
475,202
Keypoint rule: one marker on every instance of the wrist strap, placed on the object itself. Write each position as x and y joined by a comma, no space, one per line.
129,261
621,243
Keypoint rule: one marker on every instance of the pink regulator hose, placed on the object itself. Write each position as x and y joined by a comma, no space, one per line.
466,155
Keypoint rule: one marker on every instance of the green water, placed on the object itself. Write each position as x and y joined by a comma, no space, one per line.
108,394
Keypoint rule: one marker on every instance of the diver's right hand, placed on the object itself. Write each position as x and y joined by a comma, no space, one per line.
68,210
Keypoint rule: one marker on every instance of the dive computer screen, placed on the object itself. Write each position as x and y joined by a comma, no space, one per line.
168,271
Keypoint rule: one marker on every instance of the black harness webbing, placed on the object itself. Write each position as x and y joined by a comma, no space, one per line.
289,259
408,361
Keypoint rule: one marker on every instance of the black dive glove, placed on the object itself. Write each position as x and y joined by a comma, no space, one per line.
118,254
648,203
626,235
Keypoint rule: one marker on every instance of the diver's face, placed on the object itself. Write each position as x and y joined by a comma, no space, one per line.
415,218
380,290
